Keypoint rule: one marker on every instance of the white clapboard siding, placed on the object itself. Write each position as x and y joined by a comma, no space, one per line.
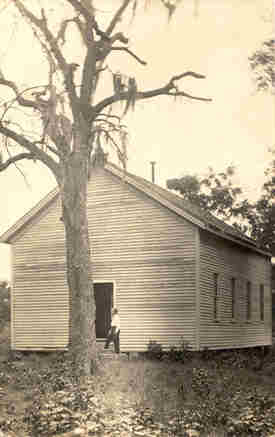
40,306
162,263
150,254
231,261
141,246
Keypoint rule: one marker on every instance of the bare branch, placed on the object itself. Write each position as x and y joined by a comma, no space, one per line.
42,143
86,31
8,105
116,18
62,30
53,150
189,96
16,158
82,31
125,49
88,14
187,73
109,116
41,24
166,90
119,37
31,147
78,7
51,59
15,164
121,151
21,100
97,51
114,124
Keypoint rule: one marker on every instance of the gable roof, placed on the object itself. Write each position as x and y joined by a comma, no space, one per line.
185,209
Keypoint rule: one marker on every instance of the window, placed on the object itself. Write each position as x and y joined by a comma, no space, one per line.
261,302
233,298
216,295
248,300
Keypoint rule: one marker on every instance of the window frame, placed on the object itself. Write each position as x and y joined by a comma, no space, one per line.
248,301
261,302
233,289
216,277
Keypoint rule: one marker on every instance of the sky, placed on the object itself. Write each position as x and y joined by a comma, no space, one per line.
183,136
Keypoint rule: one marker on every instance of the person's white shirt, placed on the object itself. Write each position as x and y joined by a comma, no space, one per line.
116,322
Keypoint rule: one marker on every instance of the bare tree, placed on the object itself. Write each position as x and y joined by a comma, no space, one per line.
72,123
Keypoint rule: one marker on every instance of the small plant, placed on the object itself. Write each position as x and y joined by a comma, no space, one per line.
154,351
179,353
221,399
4,304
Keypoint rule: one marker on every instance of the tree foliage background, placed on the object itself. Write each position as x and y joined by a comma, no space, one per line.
263,65
219,194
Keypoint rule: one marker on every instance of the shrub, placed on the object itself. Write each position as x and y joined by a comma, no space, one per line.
180,353
223,400
154,351
59,412
254,415
4,304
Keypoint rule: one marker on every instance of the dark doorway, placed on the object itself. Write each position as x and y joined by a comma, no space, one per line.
104,301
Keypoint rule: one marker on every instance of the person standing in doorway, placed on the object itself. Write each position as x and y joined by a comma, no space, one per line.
114,332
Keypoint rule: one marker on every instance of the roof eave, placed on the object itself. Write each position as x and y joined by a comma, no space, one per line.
10,234
126,178
200,223
240,242
20,224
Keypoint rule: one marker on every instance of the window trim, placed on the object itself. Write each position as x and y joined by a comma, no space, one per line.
216,277
248,301
261,302
233,289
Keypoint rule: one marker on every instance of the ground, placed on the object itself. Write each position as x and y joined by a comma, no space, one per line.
180,393
176,394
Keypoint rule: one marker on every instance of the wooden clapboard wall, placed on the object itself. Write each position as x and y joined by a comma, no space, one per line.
150,254
39,293
146,250
161,264
228,260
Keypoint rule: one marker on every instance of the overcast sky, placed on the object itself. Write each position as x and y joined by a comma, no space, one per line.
183,136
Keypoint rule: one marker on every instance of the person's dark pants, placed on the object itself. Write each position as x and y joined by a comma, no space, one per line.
113,336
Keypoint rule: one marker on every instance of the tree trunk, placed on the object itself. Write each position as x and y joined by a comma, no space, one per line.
82,337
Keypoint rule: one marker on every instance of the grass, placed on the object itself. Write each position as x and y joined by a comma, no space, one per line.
146,384
203,388
168,391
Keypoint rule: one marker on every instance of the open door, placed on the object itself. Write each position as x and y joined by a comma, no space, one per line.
104,301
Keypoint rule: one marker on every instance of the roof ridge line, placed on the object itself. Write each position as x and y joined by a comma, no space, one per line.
170,200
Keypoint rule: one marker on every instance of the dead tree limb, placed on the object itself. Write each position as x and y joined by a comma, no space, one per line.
170,89
125,49
16,158
117,17
31,147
